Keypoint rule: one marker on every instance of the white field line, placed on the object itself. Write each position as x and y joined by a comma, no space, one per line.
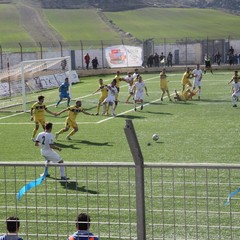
86,96
16,114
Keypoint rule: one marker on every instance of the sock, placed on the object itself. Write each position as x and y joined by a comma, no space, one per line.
71,133
62,171
34,133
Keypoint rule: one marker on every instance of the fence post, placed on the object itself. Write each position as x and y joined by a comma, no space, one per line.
82,53
41,51
1,56
61,48
102,54
20,45
139,178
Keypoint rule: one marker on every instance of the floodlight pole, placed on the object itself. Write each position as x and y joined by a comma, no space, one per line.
139,178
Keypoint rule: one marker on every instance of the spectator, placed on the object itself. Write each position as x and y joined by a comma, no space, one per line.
208,65
231,56
82,225
87,60
218,58
156,60
150,61
231,51
169,59
13,225
95,63
235,61
162,59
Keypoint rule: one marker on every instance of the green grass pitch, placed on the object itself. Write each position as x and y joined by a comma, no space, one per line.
190,132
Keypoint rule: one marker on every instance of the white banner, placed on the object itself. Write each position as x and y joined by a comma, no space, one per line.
48,81
123,56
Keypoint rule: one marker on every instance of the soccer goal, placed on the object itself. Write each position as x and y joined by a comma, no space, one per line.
20,84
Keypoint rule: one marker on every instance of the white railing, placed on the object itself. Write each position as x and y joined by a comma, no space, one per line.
180,201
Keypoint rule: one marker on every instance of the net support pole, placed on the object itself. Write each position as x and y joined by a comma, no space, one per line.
23,88
70,76
139,178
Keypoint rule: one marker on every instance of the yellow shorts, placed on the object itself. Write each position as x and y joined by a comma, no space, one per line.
164,86
71,123
102,98
40,121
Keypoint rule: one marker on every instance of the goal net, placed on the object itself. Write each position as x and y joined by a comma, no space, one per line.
22,83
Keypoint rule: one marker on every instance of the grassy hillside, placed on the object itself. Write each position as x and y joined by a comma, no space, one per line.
10,25
79,24
176,23
75,25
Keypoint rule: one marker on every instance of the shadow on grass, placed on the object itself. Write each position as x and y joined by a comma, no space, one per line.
89,143
61,145
163,113
213,100
130,116
152,143
74,186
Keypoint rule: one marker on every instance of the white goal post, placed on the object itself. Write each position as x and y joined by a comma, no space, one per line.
46,72
20,83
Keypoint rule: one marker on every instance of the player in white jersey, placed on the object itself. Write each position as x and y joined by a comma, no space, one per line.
135,74
236,92
197,73
138,90
110,99
129,79
45,140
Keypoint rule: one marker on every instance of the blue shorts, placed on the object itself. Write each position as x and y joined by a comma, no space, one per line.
64,95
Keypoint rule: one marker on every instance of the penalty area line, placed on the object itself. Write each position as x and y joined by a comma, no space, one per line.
132,109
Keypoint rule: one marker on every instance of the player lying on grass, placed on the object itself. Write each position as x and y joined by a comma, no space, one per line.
185,95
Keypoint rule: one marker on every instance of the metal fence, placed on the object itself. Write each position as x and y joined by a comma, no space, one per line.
185,51
125,201
182,201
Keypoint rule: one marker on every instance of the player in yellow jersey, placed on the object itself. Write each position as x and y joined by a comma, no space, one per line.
186,79
118,80
164,85
73,111
104,93
38,115
185,95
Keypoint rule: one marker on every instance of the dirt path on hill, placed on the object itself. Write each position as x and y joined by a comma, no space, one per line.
33,22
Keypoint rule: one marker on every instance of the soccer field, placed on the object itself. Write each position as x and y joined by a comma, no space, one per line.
198,131
195,131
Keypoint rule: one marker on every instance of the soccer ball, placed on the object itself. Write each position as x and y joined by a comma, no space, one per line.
155,137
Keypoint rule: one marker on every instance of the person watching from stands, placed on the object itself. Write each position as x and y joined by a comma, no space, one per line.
82,225
13,225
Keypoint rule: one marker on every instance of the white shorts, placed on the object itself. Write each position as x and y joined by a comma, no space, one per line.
197,83
130,89
139,96
51,155
236,94
110,99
